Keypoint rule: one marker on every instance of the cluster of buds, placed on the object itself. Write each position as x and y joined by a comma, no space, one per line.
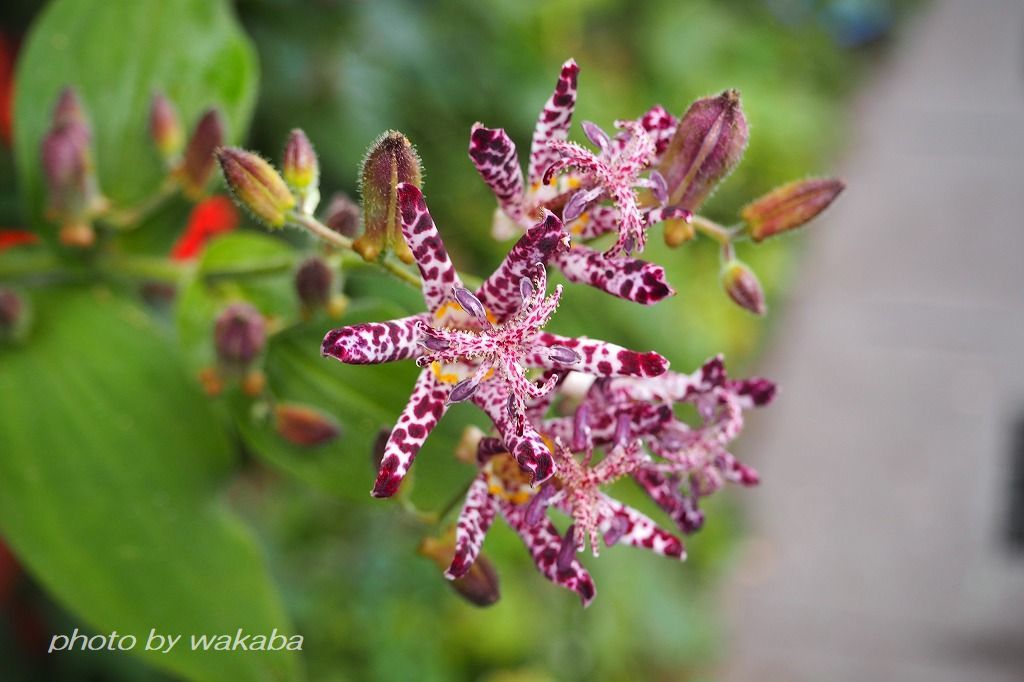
190,163
554,449
658,169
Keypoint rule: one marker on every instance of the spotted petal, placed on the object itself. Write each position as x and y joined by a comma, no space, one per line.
599,358
525,445
633,528
494,155
553,122
543,542
474,521
426,406
664,491
501,293
436,268
628,278
371,343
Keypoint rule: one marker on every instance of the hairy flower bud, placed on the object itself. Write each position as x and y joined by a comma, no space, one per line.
390,160
479,586
73,195
707,145
301,170
165,127
678,231
313,282
15,315
198,162
256,185
239,334
789,206
742,286
304,425
342,215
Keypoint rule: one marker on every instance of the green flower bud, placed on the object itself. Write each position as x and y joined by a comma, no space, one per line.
302,171
390,160
165,127
256,185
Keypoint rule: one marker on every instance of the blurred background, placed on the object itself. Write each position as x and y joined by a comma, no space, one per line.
884,540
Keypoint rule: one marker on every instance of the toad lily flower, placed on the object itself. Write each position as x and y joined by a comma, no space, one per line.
690,458
464,336
575,489
520,204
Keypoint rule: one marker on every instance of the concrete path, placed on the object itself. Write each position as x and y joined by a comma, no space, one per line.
878,548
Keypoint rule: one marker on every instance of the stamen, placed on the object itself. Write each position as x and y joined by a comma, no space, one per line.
616,531
563,355
538,504
436,344
463,390
470,303
581,428
659,187
567,551
526,289
597,136
622,428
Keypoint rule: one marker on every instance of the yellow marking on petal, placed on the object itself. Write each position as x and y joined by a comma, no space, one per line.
443,377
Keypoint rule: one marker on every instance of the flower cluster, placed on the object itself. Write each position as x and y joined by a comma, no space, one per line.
570,415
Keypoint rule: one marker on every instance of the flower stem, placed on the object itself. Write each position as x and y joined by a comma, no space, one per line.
710,228
130,217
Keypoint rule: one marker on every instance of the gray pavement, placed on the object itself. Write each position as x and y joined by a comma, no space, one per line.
877,548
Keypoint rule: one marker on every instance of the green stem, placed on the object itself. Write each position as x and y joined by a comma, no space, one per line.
130,217
719,233
36,263
149,268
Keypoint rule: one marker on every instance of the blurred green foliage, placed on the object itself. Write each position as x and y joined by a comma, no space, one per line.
344,565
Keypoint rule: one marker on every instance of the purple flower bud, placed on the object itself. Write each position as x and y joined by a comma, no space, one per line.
463,390
581,429
563,355
301,170
66,154
239,334
526,289
659,188
313,281
303,425
479,584
256,185
597,136
14,315
389,161
538,504
69,111
342,215
198,163
742,286
707,145
165,127
567,551
789,206
470,303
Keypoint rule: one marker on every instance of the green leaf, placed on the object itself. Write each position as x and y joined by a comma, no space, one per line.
192,50
110,472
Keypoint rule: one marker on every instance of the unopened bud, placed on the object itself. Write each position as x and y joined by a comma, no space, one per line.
165,127
479,585
313,282
304,425
15,315
302,170
239,334
390,160
678,231
73,196
198,163
707,145
789,206
256,185
342,215
742,286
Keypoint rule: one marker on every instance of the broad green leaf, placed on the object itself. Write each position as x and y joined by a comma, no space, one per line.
111,465
117,54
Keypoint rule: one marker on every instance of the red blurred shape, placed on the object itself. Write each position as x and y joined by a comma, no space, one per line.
7,52
209,217
11,238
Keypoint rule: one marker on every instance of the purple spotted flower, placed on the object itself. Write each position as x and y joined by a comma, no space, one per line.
621,161
478,346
